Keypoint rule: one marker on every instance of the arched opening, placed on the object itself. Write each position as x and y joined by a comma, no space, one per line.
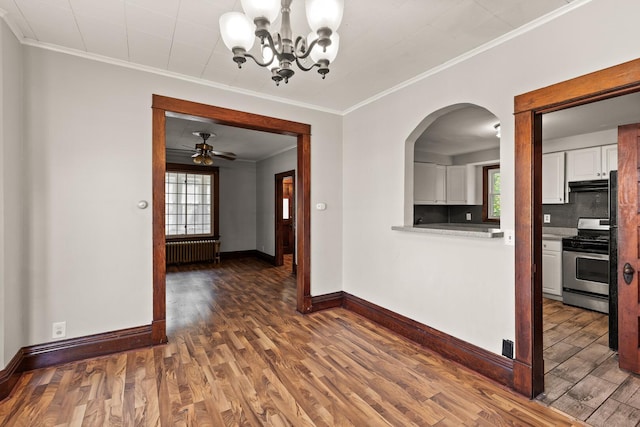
453,175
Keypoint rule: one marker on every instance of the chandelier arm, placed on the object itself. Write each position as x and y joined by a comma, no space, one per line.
257,61
302,51
303,68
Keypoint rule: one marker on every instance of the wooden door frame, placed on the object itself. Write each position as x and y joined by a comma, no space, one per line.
528,367
279,257
225,116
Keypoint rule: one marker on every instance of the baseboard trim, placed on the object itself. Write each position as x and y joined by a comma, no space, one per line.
326,301
491,365
239,254
271,259
10,375
71,350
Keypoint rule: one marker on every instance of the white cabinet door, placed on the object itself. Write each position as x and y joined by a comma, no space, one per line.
457,185
584,165
441,184
553,178
609,159
552,267
429,183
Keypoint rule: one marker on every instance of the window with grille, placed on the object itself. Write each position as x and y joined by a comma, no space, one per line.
189,204
491,193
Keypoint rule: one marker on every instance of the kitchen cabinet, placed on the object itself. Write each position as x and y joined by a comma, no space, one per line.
552,268
592,163
429,184
609,159
457,185
553,178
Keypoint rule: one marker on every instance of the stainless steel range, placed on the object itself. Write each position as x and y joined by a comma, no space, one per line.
585,266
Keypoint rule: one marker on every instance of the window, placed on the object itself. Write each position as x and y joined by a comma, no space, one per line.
190,202
491,193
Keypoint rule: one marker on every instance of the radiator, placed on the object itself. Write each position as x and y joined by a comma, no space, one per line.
193,251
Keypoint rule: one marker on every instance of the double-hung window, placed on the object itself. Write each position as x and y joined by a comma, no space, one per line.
491,193
190,201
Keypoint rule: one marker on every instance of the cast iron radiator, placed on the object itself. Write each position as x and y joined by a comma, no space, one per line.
184,252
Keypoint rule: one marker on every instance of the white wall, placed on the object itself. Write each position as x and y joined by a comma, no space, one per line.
13,213
237,206
463,287
265,182
89,125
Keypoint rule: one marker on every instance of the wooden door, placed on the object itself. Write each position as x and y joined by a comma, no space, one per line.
288,220
628,249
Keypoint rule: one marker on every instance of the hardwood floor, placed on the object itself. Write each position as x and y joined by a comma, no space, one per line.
582,377
240,355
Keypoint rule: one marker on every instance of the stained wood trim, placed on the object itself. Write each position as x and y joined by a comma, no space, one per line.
607,83
485,193
10,375
489,364
71,350
327,301
246,254
529,107
231,117
303,224
225,116
158,170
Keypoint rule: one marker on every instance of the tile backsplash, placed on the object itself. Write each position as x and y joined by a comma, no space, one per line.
590,204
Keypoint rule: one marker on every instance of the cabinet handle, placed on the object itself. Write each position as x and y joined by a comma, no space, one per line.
598,174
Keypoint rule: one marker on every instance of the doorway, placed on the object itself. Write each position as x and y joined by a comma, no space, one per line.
285,188
160,106
528,368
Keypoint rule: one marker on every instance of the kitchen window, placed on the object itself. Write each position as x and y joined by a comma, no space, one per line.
191,207
491,193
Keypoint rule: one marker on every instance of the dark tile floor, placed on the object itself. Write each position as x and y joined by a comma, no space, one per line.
582,377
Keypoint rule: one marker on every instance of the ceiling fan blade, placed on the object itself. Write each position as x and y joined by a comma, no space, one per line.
223,153
195,155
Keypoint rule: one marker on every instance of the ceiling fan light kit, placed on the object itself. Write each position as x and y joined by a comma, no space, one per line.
278,51
205,153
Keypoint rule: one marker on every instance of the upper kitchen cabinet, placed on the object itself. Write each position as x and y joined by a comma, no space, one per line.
553,178
457,185
429,185
591,163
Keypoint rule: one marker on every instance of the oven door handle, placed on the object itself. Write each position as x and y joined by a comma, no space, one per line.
627,273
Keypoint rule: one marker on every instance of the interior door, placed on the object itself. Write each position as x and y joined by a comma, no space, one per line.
287,216
628,249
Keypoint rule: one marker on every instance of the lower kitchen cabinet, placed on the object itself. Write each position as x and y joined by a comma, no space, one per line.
552,268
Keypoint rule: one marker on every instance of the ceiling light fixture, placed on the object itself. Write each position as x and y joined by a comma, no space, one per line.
278,51
497,128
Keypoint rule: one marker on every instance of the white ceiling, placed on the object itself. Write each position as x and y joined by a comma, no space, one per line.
383,43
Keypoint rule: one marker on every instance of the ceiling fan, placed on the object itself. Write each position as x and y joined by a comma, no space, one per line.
205,153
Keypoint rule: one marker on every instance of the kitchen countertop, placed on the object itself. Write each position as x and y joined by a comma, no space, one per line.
463,230
557,233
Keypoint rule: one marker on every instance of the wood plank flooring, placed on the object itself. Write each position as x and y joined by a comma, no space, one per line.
582,377
240,355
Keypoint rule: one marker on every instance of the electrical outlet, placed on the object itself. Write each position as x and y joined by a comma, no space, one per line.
547,218
59,330
468,216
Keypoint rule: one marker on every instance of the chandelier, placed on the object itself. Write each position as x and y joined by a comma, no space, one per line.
278,51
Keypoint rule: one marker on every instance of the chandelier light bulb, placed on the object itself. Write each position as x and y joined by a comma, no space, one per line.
319,53
208,160
237,31
261,9
324,14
